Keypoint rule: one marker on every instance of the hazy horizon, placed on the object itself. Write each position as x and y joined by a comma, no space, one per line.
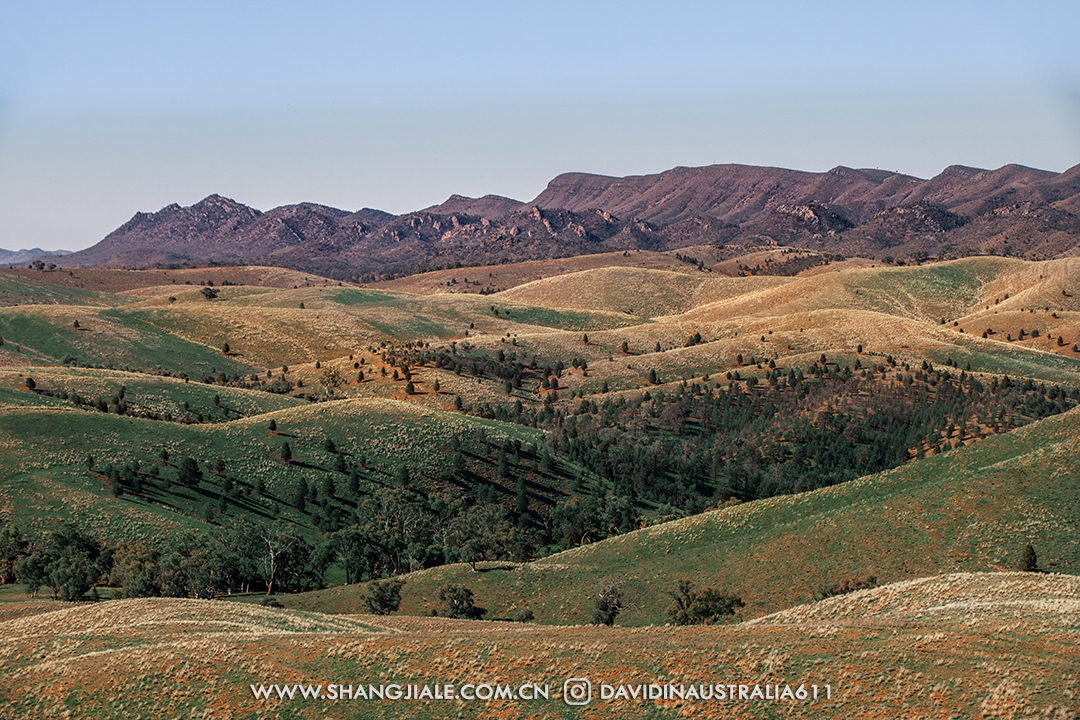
110,110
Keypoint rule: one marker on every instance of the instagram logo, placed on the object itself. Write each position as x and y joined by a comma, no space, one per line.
577,691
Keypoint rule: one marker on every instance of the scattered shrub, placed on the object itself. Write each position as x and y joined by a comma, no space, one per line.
847,586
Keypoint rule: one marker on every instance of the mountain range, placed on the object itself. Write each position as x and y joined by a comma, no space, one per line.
1013,210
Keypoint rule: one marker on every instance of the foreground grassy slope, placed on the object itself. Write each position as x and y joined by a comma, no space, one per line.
973,509
962,645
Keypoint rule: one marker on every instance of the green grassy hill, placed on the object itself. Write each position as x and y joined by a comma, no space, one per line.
47,442
971,509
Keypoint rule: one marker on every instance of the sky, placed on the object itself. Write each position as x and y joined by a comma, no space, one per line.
111,108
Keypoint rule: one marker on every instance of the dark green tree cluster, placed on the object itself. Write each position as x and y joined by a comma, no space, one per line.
700,606
68,561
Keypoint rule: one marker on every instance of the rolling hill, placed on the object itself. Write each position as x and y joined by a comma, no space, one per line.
632,418
959,645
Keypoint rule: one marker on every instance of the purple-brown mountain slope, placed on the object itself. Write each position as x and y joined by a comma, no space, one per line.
743,193
492,207
1013,210
218,229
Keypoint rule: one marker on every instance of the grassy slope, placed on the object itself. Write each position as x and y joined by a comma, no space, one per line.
270,328
966,645
634,291
16,290
45,334
970,509
45,442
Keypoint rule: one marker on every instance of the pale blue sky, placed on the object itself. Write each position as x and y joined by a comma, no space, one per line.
108,108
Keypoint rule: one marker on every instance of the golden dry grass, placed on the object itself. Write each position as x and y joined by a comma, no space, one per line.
515,274
637,292
957,646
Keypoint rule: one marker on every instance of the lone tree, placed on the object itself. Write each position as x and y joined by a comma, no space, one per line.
209,293
609,603
457,602
1029,562
286,452
697,607
383,597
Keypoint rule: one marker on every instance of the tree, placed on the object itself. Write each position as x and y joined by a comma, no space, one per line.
625,348
359,552
458,602
189,473
284,556
74,562
585,338
703,606
209,293
75,324
1029,562
331,379
300,492
609,603
382,597
273,426
521,503
286,452
12,547
482,532
30,571
225,348
30,384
